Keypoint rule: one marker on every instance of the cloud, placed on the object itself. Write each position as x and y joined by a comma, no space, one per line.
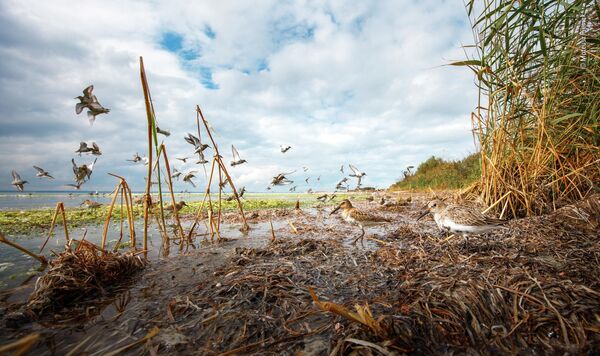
340,82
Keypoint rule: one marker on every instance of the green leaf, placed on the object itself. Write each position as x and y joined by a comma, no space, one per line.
472,62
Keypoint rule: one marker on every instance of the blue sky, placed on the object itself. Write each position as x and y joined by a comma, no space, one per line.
360,82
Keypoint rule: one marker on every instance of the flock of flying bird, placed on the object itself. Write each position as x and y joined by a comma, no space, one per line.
82,173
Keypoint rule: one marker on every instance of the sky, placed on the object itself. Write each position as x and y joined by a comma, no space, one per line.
342,82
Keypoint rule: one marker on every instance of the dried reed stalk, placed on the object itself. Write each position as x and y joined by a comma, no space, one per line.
60,207
40,258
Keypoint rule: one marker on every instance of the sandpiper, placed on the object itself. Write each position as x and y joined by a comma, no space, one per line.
83,172
178,206
17,181
85,100
281,179
201,158
460,219
167,133
83,148
96,150
357,174
306,180
357,217
95,109
188,178
236,157
41,173
284,149
195,141
176,173
136,158
342,169
90,204
76,186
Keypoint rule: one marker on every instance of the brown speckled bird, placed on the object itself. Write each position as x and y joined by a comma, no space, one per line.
460,219
356,217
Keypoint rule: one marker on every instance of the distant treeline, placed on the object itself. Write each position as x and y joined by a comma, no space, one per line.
437,173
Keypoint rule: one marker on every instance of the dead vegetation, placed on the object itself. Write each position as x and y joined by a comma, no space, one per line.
83,273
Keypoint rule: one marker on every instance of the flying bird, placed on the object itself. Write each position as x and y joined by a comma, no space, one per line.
195,141
357,174
188,178
85,99
305,169
83,172
342,169
136,158
306,180
83,148
236,157
41,173
184,159
167,133
176,174
17,181
284,149
202,159
90,102
281,179
293,189
95,109
95,149
76,186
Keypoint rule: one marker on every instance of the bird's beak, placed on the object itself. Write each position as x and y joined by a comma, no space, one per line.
334,210
423,215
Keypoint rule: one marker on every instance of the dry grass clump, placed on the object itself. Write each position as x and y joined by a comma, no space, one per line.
538,71
79,274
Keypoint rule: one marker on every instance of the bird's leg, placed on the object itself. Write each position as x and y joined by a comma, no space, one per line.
360,237
466,237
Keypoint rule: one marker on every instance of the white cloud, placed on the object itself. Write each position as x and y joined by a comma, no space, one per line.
340,82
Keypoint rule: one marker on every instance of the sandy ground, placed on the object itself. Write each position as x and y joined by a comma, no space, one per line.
520,289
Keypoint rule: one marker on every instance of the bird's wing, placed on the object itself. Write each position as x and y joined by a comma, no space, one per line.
87,92
189,139
236,155
354,169
91,166
41,170
82,145
74,166
95,146
79,108
16,175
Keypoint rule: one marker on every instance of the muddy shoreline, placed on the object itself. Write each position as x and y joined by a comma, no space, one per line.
532,288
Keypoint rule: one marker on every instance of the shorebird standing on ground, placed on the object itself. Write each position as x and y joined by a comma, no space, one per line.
354,216
17,181
41,173
178,206
460,219
90,204
236,157
284,149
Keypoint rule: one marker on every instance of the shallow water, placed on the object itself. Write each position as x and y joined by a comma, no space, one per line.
17,268
41,200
